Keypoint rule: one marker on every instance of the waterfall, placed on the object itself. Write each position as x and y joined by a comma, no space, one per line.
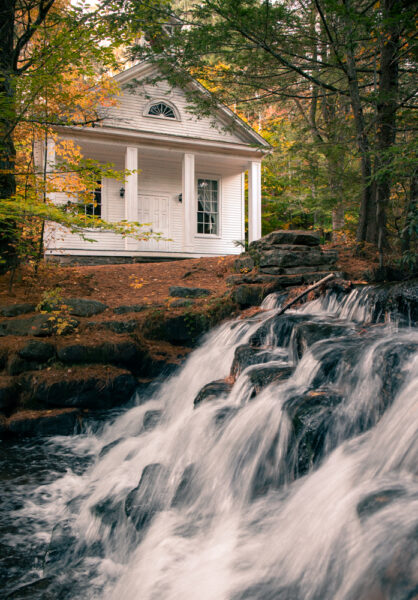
299,482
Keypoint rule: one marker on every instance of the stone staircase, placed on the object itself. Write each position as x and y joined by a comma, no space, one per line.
279,260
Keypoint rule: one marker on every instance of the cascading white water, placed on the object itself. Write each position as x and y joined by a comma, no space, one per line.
305,490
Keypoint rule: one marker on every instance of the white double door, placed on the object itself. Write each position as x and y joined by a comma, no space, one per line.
154,209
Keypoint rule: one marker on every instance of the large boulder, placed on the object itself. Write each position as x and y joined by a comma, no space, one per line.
296,237
80,307
307,333
244,264
261,376
277,330
43,422
398,299
213,391
248,295
294,256
246,355
37,351
8,392
127,354
311,417
83,388
14,310
38,326
188,292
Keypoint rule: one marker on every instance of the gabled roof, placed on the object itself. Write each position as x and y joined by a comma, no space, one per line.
224,114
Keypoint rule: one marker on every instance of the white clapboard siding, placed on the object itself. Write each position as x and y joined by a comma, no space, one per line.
129,113
231,220
113,205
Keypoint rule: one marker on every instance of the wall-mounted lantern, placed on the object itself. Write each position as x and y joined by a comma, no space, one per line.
180,197
122,192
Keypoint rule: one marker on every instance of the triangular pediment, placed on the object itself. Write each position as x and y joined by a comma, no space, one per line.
138,93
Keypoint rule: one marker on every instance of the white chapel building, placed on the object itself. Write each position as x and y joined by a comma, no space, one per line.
190,179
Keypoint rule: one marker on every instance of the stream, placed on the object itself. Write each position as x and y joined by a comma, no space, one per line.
299,482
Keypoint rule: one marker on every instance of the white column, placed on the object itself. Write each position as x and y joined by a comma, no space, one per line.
131,185
188,199
254,201
131,193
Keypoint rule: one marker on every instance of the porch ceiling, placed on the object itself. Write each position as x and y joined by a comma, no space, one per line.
204,162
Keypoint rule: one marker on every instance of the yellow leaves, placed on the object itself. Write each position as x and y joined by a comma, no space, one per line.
137,282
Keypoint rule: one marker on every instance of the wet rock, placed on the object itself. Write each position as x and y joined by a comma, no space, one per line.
390,366
43,422
143,502
188,292
8,392
244,264
246,355
311,417
225,414
14,310
182,303
35,589
38,351
108,447
261,377
108,510
83,389
122,310
248,295
151,419
307,333
269,590
213,391
185,491
81,307
378,500
127,326
277,330
60,549
399,299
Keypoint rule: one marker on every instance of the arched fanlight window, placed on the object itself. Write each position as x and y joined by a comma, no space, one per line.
161,109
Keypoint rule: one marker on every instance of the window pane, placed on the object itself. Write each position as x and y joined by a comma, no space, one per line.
207,206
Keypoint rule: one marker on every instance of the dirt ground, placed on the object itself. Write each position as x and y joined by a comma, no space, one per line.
117,285
143,283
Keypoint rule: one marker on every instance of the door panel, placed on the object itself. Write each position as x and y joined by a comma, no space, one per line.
154,209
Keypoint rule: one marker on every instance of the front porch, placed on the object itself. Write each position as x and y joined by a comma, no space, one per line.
191,193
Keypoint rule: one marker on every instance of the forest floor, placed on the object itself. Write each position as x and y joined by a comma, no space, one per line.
145,283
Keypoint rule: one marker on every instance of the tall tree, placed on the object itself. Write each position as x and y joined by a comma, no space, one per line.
328,54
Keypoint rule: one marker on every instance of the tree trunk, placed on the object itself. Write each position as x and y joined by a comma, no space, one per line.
367,229
7,114
386,114
407,236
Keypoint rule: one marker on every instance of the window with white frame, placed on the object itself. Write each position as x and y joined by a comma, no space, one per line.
208,206
93,208
161,109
